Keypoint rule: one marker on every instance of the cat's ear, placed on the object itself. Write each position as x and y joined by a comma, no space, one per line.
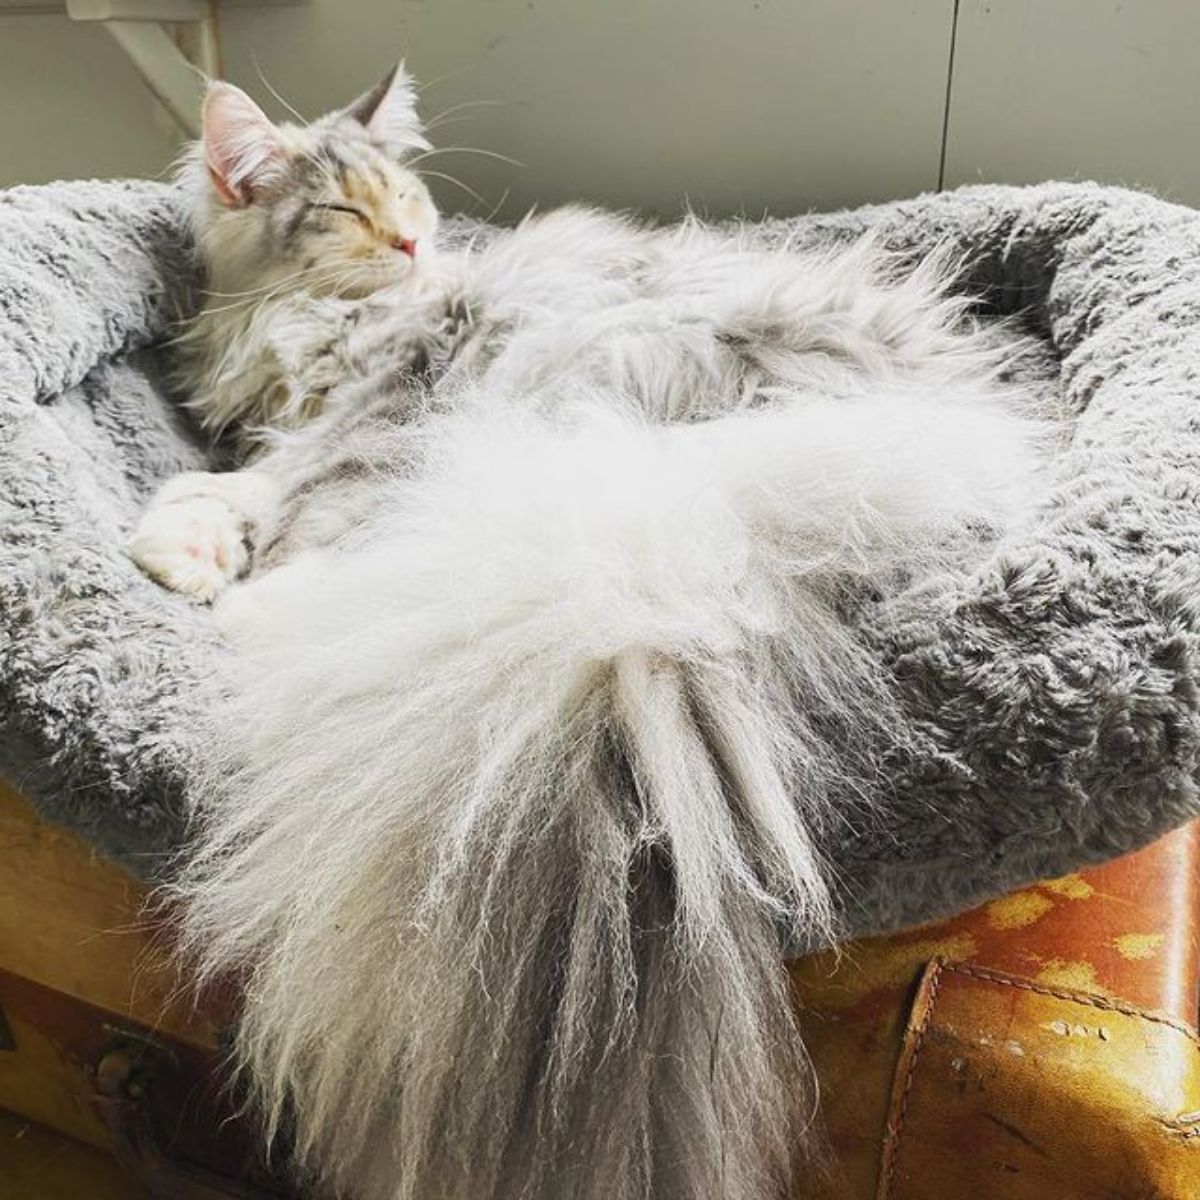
242,148
389,112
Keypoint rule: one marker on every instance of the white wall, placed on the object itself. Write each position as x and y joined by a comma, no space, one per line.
728,104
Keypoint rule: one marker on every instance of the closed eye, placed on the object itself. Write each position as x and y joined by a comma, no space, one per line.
345,208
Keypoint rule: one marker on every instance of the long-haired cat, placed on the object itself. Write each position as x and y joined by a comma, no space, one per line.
551,549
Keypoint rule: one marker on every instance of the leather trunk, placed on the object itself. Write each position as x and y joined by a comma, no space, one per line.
1039,1048
1042,1047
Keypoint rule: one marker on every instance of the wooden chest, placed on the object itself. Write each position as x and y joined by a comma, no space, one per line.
98,1040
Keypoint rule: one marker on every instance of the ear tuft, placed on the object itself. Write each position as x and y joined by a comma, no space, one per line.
389,112
242,148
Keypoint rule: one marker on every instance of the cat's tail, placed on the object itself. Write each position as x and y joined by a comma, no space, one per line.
525,792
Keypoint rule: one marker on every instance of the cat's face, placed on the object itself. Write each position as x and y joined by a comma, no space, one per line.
329,207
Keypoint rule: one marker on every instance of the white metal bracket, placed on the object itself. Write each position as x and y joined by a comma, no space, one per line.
174,77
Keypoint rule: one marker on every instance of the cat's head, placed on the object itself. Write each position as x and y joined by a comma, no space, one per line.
330,206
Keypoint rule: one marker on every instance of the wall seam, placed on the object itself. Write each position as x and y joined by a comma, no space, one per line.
941,181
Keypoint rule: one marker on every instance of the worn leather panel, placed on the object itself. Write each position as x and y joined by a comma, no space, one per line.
1012,1090
1123,933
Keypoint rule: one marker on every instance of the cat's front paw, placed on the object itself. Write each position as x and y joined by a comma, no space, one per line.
194,544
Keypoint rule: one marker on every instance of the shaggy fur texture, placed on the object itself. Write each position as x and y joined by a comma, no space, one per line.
1046,700
550,743
103,676
553,688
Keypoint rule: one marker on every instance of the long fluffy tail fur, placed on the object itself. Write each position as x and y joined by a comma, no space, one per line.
524,792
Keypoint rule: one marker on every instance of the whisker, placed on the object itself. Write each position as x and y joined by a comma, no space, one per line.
202,77
458,183
440,118
465,150
497,206
429,83
321,160
441,125
313,278
270,88
271,284
332,275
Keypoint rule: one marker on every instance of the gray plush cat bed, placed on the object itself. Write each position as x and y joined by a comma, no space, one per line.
1054,715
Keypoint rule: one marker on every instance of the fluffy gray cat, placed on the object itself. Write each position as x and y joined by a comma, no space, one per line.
541,559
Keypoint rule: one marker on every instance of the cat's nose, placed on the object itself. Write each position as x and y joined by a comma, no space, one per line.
405,246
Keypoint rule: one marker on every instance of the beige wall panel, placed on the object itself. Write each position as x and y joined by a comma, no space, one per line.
1104,89
728,104
72,107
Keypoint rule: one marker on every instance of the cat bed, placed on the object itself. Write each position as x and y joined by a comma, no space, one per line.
1051,693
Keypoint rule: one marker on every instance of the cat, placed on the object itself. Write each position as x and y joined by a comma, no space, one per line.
543,567
294,226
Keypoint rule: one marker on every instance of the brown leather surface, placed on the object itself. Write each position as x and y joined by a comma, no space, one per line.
1016,1090
1124,933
